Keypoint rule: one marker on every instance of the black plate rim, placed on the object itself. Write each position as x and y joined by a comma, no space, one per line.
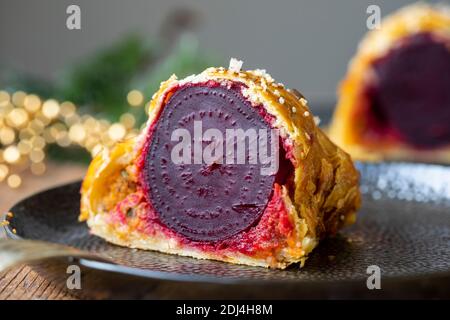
227,280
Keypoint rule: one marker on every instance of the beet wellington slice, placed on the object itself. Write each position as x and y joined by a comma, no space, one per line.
395,100
230,166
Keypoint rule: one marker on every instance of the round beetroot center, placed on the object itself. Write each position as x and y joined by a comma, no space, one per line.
411,93
206,201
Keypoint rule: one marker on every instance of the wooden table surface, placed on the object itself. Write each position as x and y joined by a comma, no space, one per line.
22,282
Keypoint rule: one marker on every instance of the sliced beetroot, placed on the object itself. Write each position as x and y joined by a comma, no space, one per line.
206,202
412,92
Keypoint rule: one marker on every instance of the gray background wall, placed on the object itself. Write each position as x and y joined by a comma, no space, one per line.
305,44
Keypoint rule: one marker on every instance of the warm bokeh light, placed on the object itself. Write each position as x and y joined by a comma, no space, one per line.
38,142
4,98
28,125
50,109
68,109
11,154
18,98
62,139
4,170
128,120
117,132
135,98
7,136
17,118
32,103
14,181
37,155
36,126
77,133
24,147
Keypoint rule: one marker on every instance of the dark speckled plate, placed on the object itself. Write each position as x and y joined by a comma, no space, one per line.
403,227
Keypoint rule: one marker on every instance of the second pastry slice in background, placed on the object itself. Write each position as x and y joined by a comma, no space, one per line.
394,102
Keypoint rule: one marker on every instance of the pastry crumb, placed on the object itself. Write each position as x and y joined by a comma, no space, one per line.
303,101
317,120
235,65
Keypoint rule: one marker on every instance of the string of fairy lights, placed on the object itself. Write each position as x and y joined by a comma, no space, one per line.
29,124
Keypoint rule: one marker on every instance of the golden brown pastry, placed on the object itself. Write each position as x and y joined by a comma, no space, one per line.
150,193
394,102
